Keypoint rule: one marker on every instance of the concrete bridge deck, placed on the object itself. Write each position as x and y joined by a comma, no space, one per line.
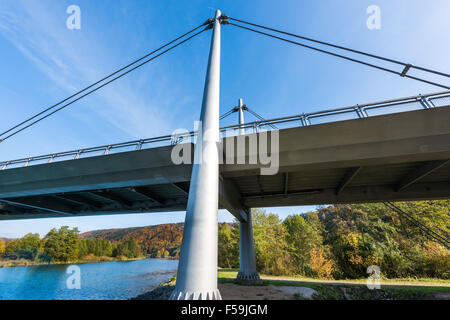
401,156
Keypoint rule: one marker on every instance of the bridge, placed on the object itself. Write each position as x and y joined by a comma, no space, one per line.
371,158
392,150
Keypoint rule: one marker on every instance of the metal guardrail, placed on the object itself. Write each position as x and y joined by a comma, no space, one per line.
427,101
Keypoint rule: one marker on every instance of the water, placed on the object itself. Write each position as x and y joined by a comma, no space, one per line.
99,281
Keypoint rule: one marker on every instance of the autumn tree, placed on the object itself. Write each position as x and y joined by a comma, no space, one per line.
2,247
228,251
321,265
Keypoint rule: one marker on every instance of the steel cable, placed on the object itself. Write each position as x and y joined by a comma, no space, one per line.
101,86
341,56
344,48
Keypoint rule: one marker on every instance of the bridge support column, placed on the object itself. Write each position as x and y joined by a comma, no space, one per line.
197,267
247,263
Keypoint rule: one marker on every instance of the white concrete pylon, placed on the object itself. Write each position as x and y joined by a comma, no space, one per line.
247,261
241,117
197,267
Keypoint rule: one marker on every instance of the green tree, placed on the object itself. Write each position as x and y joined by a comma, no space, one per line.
133,249
106,248
83,250
31,240
62,244
129,249
27,247
366,234
301,238
228,250
12,246
271,248
351,239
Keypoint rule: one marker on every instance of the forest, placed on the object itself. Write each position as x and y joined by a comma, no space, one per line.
333,242
341,241
64,245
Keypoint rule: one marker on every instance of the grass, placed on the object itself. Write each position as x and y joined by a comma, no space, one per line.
226,273
353,289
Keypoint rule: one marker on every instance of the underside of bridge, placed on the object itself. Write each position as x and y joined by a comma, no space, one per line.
395,157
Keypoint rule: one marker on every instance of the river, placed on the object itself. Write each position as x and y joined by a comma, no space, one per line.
117,280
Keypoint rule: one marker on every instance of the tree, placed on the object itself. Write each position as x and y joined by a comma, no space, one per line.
31,240
320,265
129,249
228,250
133,249
272,256
27,247
437,260
2,247
61,245
83,248
301,238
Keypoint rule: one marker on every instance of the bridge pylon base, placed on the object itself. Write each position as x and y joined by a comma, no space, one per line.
195,295
248,277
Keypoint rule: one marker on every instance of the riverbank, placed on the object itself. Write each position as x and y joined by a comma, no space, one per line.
291,288
26,263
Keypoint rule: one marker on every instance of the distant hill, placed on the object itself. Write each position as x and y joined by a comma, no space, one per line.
6,239
156,241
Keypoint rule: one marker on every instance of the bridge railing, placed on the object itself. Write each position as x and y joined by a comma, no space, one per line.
427,101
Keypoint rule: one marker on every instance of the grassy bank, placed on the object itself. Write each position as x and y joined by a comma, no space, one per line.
391,289
227,274
396,289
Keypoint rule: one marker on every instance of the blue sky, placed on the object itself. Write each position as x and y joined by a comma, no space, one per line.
42,62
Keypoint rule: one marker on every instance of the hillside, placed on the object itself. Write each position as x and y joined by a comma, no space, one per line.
7,239
156,241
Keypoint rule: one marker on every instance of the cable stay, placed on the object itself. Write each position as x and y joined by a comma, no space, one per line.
226,114
244,107
207,24
444,240
403,73
406,65
261,118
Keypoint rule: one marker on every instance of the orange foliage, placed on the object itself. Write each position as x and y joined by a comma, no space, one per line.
156,241
322,266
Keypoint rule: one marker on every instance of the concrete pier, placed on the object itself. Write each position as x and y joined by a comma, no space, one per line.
247,262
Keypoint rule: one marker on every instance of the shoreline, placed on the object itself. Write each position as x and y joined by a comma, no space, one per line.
27,263
160,292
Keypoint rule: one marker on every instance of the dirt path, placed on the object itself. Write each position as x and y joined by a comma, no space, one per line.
288,288
231,291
